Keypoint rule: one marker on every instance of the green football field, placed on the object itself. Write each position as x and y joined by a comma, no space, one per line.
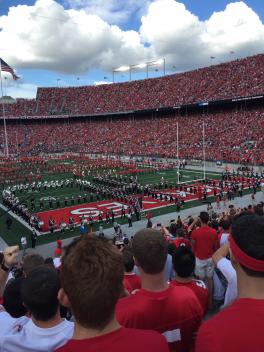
58,195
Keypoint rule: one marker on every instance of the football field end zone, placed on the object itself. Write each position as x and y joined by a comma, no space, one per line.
87,209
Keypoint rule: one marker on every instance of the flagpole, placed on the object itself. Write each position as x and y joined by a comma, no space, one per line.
3,108
178,172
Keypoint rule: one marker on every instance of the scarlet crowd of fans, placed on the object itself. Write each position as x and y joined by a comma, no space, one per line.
239,78
147,293
234,136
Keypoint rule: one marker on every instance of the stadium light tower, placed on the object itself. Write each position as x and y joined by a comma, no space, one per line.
120,69
145,65
156,63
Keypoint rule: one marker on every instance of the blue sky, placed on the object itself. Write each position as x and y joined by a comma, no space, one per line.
77,42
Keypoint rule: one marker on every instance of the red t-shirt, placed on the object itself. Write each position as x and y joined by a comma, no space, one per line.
174,312
199,289
205,239
237,328
128,340
132,282
180,241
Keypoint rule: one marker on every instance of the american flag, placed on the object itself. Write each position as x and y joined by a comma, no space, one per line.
5,67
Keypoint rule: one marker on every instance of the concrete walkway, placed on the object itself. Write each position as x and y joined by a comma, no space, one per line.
47,250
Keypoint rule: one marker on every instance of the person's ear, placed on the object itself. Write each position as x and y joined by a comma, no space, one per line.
63,298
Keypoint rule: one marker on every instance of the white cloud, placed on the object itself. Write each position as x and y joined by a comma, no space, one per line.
112,11
46,36
100,83
185,41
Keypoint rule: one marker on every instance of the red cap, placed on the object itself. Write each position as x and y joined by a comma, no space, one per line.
58,252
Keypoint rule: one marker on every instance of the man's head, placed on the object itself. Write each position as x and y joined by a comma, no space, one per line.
225,225
247,243
204,217
39,293
12,300
150,250
32,261
92,280
183,262
128,260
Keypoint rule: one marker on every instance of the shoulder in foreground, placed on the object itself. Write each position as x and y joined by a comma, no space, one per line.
148,340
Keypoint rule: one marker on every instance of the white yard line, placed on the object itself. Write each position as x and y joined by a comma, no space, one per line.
18,218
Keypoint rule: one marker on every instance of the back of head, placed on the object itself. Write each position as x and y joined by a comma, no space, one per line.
39,292
204,216
183,262
128,260
225,225
12,300
31,262
150,249
92,277
247,243
258,210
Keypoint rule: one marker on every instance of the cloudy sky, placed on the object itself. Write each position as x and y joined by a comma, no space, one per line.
78,42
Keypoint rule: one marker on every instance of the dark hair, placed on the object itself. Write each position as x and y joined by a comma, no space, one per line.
183,261
12,300
32,261
39,292
248,233
128,260
92,277
150,250
204,216
225,224
258,210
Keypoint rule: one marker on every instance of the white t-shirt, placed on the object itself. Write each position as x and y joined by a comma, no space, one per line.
31,338
9,324
226,268
23,241
224,239
57,262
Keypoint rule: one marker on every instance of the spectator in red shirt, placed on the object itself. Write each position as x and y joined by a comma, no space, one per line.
92,281
180,240
240,326
184,265
204,242
131,280
173,312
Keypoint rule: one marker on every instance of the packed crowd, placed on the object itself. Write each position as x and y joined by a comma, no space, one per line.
234,136
151,292
239,78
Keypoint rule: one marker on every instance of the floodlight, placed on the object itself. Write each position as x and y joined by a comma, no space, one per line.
122,69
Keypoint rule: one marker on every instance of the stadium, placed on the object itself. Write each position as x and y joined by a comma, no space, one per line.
155,187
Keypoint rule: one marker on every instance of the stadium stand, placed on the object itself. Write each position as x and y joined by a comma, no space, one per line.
239,78
236,137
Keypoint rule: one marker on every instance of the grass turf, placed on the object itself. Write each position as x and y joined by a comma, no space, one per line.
12,236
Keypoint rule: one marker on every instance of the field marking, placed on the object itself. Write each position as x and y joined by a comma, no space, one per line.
22,221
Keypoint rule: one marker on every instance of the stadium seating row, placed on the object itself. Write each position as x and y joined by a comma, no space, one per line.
238,78
236,137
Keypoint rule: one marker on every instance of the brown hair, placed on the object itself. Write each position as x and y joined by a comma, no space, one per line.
31,262
92,277
150,250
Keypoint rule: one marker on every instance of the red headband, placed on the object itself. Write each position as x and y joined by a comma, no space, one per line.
245,259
